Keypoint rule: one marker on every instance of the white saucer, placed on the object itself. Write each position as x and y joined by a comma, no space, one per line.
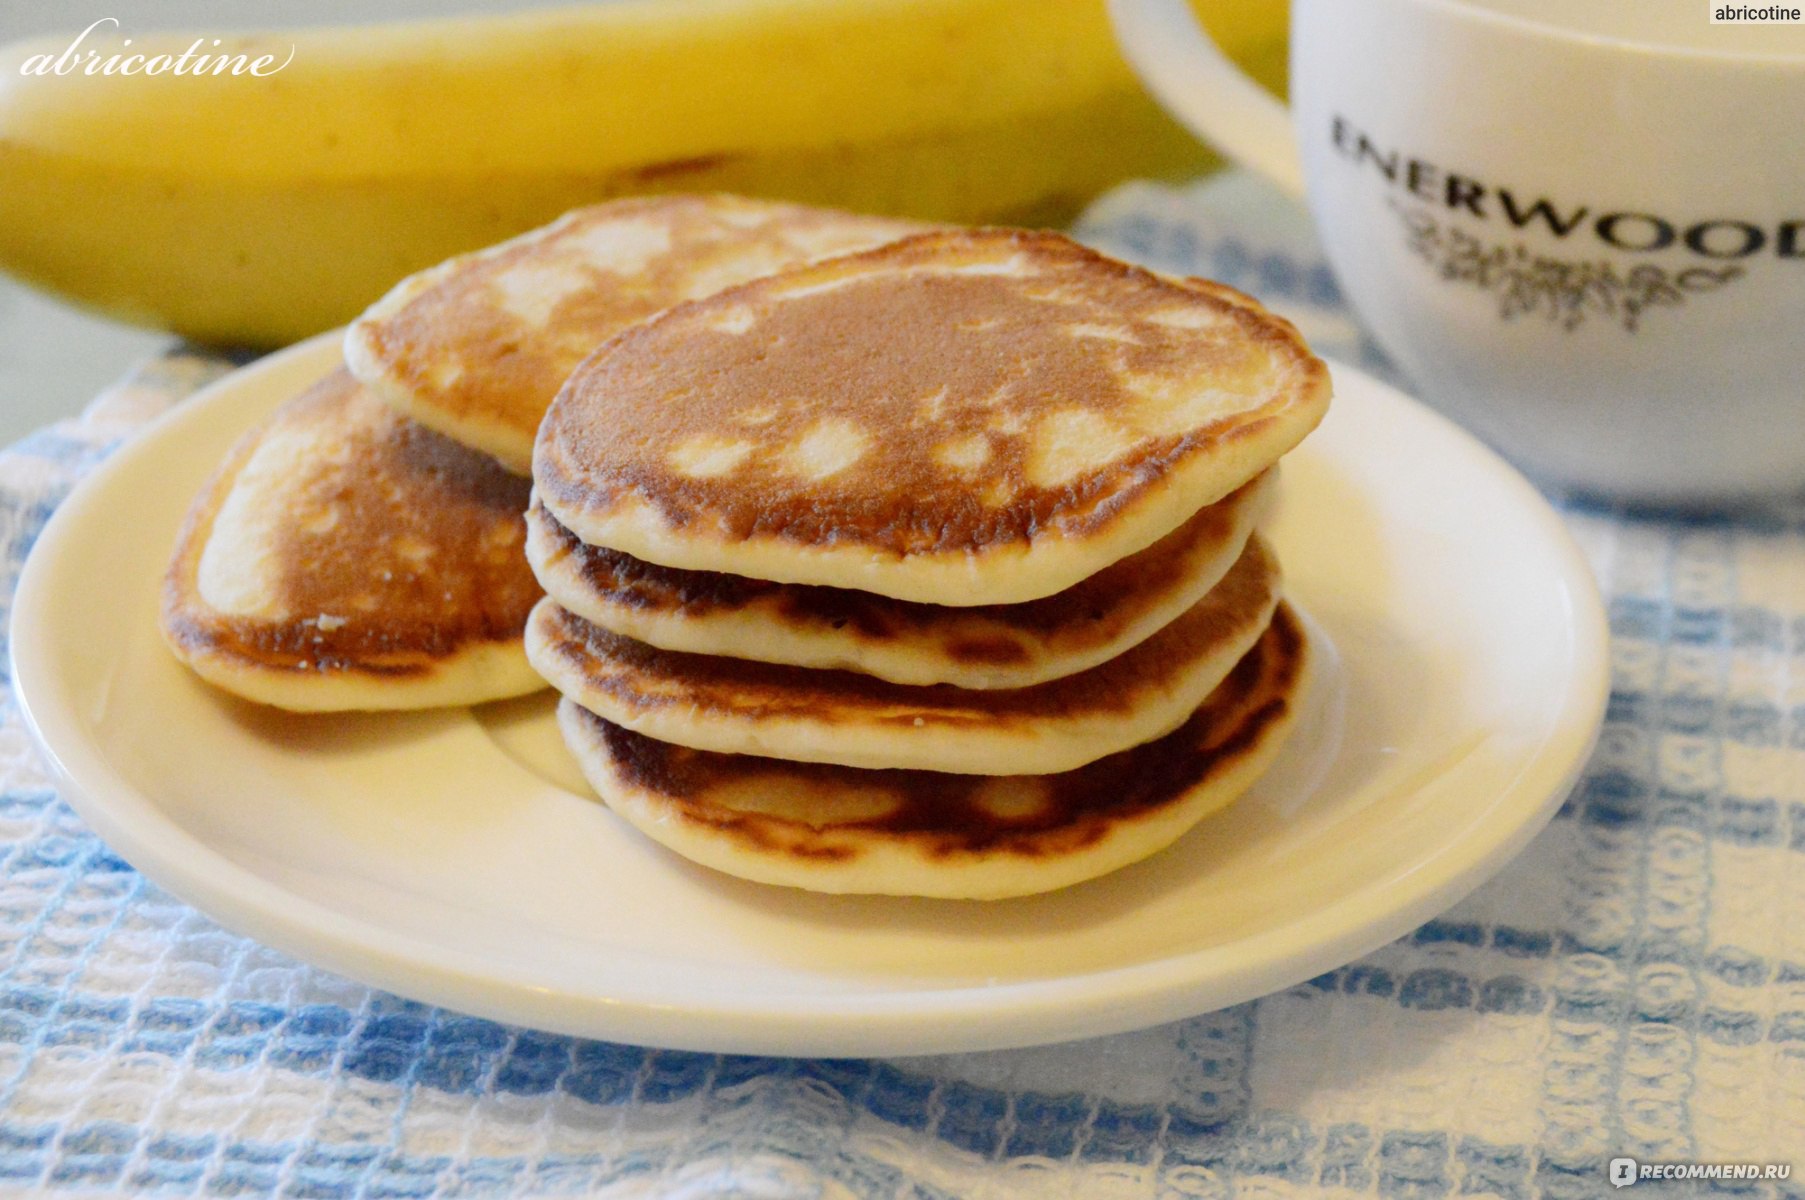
437,856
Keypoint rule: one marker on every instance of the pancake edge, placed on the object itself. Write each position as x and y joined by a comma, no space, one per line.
1050,746
894,866
478,675
1005,575
747,634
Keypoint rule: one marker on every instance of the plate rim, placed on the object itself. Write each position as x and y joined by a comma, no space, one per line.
938,1019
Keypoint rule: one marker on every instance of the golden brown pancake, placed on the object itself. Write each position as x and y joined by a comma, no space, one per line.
988,646
738,706
959,418
477,347
920,833
344,557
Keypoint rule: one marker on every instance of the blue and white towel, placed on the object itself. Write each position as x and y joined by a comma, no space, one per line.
1633,985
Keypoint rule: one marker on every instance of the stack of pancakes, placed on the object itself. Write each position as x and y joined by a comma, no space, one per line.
925,570
880,558
363,547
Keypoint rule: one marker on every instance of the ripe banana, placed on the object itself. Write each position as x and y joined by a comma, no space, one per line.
258,209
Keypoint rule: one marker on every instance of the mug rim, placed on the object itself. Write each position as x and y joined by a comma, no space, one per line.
1476,11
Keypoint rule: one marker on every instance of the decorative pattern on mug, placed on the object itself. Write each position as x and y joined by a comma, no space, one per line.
1565,293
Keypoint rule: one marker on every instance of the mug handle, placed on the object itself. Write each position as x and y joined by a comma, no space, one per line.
1203,87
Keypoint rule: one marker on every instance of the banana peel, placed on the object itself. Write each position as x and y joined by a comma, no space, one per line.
256,211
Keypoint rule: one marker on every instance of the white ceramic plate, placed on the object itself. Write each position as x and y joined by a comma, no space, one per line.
438,855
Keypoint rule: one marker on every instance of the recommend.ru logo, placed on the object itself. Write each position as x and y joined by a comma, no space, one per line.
1624,1171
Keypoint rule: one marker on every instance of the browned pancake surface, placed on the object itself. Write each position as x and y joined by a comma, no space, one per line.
949,392
1036,816
490,339
395,548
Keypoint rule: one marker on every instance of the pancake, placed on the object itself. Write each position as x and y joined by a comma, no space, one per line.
477,347
920,833
959,418
736,706
343,557
993,646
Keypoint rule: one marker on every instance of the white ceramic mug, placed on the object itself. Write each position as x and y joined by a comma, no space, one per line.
1578,224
